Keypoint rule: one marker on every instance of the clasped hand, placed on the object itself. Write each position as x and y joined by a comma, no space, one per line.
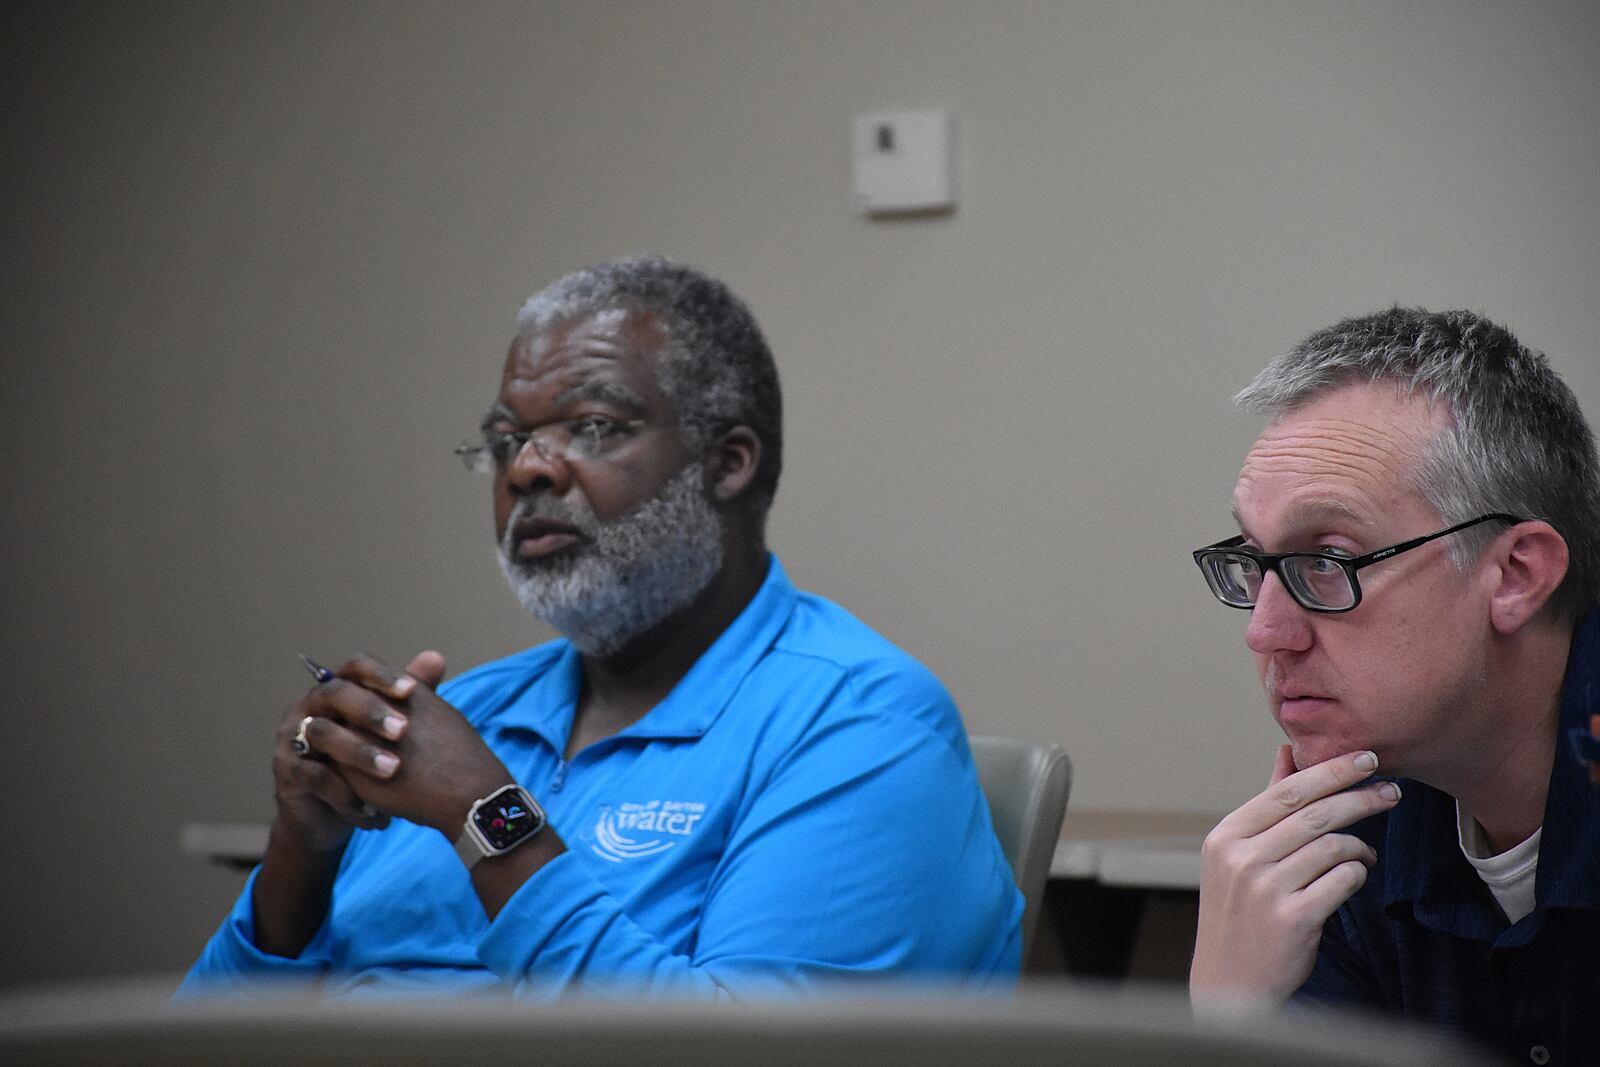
383,744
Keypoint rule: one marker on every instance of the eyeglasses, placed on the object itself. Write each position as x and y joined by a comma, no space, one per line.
583,438
1318,581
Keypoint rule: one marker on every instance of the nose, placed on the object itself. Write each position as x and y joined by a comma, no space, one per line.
532,468
1277,623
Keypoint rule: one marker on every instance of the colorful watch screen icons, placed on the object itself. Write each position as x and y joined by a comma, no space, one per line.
507,817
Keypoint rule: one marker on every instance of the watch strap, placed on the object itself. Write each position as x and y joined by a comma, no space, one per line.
469,850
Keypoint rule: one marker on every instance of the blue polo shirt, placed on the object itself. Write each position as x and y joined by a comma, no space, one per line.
801,809
1424,936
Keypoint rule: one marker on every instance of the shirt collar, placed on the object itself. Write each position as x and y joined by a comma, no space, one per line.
1424,867
701,694
1572,814
548,705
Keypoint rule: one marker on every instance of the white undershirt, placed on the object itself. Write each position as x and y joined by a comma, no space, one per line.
1510,875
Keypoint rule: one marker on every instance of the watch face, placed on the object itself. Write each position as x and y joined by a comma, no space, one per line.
506,818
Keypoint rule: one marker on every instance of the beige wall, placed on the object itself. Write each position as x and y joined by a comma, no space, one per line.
261,261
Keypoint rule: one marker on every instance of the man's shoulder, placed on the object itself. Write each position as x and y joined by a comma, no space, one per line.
481,690
824,633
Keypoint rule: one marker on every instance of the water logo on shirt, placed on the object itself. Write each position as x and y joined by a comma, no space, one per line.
633,831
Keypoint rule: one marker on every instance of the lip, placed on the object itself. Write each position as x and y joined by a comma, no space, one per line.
1301,708
536,538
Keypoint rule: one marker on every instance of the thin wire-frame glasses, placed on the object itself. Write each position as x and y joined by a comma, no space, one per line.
1318,581
583,438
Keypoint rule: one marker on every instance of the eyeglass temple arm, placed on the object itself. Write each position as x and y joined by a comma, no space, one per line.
1406,546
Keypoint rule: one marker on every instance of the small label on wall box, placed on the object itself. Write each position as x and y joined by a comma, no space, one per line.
902,162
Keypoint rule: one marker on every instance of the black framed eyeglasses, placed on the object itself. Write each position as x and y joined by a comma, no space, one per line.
585,437
1318,581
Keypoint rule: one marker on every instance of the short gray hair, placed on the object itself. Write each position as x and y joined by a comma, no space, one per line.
715,366
1516,442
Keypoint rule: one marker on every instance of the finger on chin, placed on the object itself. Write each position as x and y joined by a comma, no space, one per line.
1282,764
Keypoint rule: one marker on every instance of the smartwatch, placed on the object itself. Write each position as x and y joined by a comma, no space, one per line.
499,823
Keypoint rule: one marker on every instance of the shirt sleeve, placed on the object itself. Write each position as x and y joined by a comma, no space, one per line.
231,959
867,852
1342,974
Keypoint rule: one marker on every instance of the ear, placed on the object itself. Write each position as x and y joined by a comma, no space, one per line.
731,465
1530,565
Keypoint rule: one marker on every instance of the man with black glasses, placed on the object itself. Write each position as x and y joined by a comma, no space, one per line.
712,785
1419,550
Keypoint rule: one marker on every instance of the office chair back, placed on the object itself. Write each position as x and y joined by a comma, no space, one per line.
1026,784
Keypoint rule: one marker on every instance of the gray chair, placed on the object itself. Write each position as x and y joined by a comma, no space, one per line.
1026,784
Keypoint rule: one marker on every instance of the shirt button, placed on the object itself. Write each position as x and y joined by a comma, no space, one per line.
1539,1054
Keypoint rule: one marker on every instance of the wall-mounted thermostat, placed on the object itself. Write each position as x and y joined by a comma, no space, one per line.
902,162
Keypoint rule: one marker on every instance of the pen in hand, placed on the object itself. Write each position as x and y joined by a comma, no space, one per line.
318,671
298,742
392,724
321,674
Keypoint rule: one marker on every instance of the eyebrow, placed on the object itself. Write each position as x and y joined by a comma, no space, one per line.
604,391
598,390
1308,513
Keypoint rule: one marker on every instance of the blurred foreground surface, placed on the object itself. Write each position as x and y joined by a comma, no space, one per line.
1045,1023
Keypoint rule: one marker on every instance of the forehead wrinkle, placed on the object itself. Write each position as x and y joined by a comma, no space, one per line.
1344,436
1356,464
1339,470
1325,488
1336,448
596,371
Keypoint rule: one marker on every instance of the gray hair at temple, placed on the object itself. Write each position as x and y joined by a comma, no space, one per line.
1516,442
715,367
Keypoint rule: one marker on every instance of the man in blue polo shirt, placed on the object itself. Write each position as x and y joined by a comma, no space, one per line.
712,785
1420,554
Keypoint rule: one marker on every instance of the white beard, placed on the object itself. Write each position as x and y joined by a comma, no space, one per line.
629,573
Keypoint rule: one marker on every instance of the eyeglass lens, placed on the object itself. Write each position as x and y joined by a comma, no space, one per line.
576,439
1319,582
1313,581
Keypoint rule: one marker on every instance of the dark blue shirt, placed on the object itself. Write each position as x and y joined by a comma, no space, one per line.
1424,937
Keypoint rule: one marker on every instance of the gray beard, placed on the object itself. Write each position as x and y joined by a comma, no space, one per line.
628,574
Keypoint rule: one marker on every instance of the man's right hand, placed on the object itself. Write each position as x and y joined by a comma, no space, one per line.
317,810
1272,873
